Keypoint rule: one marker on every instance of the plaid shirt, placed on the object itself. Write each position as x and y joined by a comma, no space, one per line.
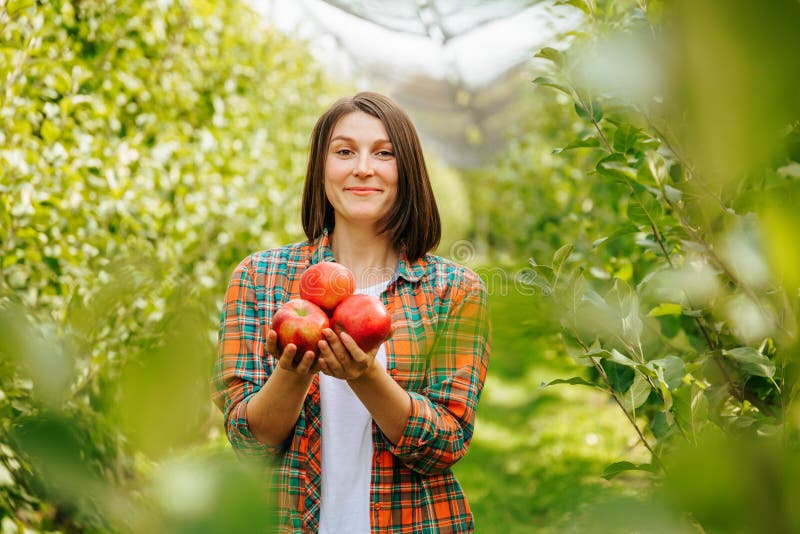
439,354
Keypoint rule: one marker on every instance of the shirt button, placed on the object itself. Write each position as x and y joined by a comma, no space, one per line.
378,506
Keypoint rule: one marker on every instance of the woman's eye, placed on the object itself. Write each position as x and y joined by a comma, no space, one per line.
386,153
344,152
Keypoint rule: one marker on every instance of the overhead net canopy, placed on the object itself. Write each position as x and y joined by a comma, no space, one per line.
458,67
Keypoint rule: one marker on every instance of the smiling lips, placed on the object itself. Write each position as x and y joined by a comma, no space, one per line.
362,191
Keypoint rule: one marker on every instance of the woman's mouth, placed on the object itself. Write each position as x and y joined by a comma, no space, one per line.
362,191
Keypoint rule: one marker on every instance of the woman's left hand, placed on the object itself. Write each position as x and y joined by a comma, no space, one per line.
341,357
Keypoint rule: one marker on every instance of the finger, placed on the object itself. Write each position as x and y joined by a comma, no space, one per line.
339,350
317,365
306,362
272,342
329,360
353,349
287,358
323,367
334,341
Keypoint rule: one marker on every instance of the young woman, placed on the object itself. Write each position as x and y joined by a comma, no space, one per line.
364,441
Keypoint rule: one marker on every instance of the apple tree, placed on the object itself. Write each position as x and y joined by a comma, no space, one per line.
146,146
668,211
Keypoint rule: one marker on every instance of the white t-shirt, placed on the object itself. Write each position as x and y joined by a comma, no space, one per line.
346,451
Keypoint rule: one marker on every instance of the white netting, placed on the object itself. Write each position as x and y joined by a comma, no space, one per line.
458,67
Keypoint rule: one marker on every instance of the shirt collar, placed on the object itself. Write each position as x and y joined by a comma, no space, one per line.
412,271
321,249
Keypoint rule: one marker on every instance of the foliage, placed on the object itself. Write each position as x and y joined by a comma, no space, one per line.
677,283
146,147
532,463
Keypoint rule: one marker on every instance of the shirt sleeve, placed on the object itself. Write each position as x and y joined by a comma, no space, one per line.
442,416
240,370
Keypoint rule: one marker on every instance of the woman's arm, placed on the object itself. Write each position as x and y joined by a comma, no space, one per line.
442,416
273,411
245,372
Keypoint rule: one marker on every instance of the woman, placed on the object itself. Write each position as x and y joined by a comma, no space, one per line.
364,441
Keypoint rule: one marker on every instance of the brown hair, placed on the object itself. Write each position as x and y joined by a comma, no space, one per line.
413,222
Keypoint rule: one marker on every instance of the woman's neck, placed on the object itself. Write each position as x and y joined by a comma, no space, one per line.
372,258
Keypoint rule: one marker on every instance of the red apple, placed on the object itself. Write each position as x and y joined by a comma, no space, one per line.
365,319
300,322
326,284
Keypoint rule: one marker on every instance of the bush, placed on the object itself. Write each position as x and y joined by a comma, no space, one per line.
146,147
677,283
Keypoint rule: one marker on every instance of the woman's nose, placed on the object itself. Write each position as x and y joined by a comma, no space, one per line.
363,166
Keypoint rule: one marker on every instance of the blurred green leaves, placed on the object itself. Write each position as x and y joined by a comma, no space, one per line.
145,148
163,389
734,78
698,135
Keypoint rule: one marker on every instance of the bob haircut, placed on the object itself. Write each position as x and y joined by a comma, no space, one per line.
413,222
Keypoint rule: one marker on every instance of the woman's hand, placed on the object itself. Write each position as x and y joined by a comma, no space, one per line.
341,357
307,365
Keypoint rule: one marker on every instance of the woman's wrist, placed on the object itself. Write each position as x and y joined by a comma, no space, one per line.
371,373
293,379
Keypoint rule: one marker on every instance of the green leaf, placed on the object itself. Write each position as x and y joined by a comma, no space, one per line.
625,229
637,393
560,256
673,194
539,273
575,381
625,302
583,5
751,361
620,467
549,82
666,393
667,308
674,369
585,142
617,357
551,54
590,295
593,113
597,111
616,168
690,407
581,111
625,138
620,377
645,210
657,166
661,424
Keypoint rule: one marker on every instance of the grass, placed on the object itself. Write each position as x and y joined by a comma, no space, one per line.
538,453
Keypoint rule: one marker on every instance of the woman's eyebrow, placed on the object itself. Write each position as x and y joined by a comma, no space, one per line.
351,140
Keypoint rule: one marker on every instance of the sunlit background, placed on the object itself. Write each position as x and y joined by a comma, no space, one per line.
623,174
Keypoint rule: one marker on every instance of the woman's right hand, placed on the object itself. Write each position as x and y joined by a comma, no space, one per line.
306,366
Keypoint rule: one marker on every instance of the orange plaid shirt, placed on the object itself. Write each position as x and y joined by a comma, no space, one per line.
439,354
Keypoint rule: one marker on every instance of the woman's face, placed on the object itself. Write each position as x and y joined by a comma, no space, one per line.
360,170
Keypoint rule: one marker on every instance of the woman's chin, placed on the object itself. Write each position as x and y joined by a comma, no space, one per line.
361,218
